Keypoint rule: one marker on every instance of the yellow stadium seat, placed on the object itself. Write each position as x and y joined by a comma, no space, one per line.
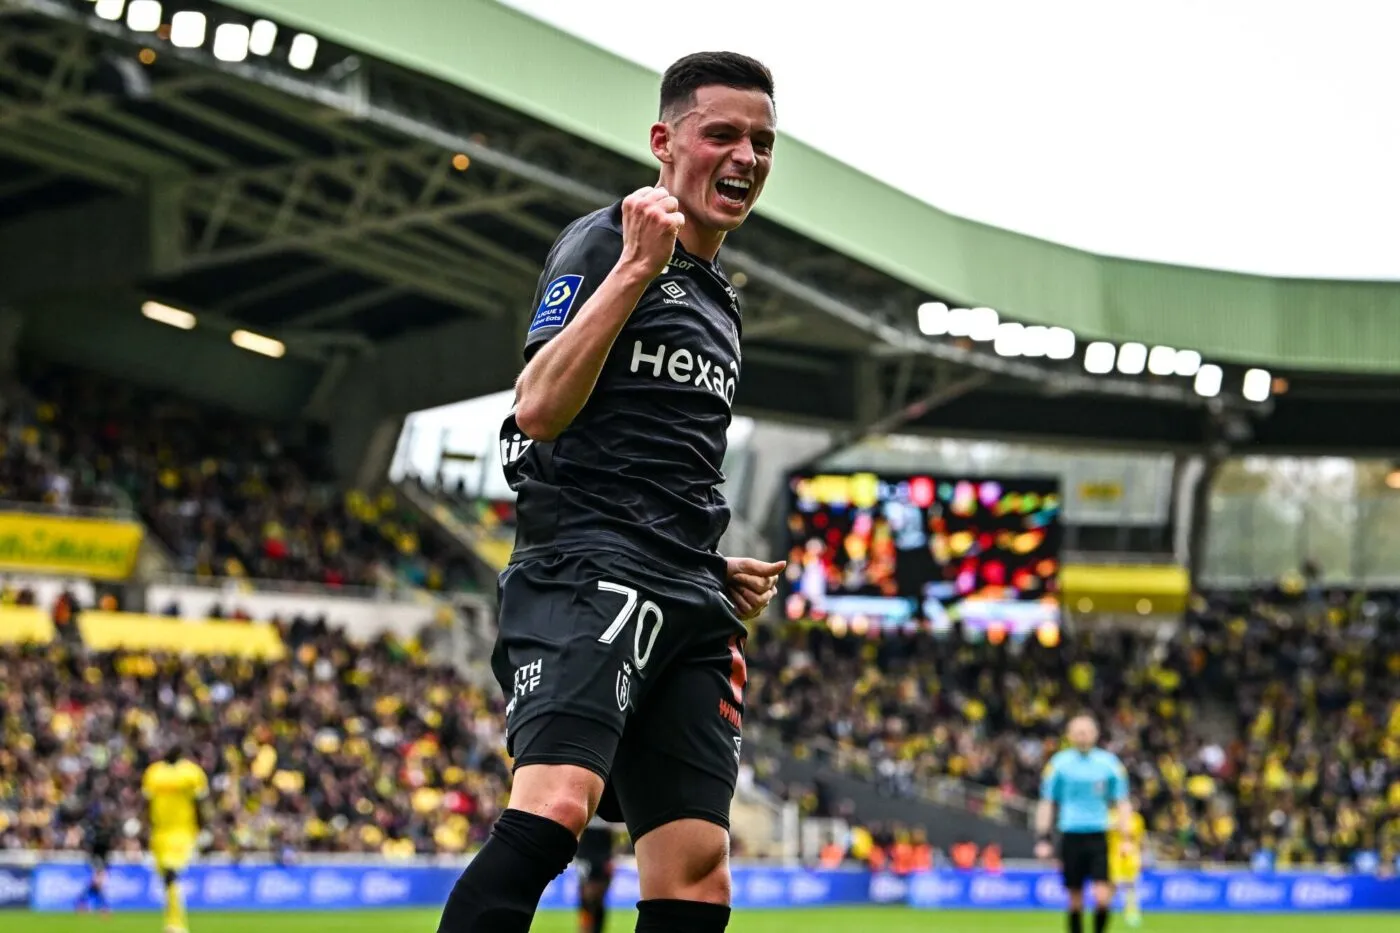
495,551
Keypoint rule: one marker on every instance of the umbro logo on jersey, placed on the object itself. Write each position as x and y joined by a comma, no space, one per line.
673,290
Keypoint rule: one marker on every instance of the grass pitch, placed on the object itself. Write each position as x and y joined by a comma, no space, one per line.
823,920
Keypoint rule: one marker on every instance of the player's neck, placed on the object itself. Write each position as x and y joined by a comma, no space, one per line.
701,242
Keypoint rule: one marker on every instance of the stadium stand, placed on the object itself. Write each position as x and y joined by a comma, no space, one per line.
226,495
1306,771
332,747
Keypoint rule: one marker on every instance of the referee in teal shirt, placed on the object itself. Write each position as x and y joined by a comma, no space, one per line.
1087,784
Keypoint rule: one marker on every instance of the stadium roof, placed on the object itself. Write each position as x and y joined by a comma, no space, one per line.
388,227
535,69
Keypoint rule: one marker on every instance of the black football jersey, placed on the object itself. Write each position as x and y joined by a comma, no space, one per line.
639,469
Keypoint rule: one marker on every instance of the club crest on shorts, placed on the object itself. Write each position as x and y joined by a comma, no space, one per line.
558,300
624,690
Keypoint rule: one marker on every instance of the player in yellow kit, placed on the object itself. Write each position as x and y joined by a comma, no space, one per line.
1125,866
174,788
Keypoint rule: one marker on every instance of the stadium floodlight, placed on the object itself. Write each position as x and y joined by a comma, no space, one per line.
257,343
1098,357
187,29
1132,357
1059,343
231,42
1188,363
262,37
934,318
110,9
1208,379
959,322
165,314
984,324
1035,340
1010,339
1257,385
302,54
143,15
1161,361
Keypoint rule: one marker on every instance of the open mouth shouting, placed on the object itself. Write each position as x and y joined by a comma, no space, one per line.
733,191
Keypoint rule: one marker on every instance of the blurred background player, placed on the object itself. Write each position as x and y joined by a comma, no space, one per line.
1084,782
174,787
98,841
1125,863
595,874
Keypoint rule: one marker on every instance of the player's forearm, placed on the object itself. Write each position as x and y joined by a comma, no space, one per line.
1125,819
558,380
1044,817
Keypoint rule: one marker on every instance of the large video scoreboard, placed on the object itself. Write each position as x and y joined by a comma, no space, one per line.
880,552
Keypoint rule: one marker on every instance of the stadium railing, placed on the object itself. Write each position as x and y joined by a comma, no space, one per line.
946,790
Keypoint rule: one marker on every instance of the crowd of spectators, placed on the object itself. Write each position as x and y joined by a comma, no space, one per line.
227,496
1315,686
1258,728
337,748
1270,725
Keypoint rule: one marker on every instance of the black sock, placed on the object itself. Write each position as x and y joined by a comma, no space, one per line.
660,916
501,888
1101,920
1076,921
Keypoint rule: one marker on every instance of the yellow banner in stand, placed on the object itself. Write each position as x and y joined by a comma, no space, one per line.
91,547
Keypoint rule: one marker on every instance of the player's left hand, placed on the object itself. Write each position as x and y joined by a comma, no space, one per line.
752,584
1125,849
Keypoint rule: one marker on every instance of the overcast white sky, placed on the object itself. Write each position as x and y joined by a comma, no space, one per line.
1254,135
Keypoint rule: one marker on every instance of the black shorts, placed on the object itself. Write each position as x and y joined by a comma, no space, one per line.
631,670
1084,857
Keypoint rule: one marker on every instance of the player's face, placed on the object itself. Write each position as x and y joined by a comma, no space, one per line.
716,155
1083,734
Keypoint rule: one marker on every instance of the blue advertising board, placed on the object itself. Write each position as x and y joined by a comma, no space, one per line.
55,887
16,887
1172,892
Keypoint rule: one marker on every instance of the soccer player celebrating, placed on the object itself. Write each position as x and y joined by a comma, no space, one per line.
1084,782
595,874
621,645
174,788
1125,864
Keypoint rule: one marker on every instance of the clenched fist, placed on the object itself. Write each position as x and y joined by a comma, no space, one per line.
651,220
752,584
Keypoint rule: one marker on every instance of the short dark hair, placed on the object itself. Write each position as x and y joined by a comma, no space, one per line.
173,753
704,69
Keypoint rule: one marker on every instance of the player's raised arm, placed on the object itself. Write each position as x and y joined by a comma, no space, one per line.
559,378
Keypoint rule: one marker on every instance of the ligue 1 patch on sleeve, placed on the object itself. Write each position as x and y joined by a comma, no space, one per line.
557,302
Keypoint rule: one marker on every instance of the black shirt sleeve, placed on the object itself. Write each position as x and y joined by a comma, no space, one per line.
577,265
